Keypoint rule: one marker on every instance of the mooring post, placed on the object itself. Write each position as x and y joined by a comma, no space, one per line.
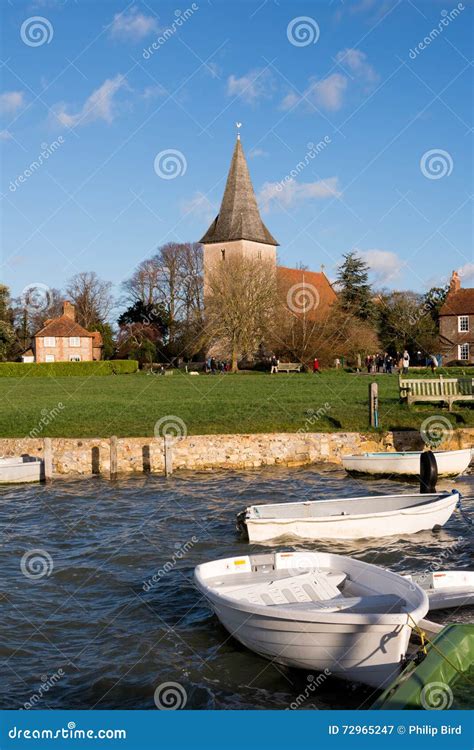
168,455
113,457
374,404
48,459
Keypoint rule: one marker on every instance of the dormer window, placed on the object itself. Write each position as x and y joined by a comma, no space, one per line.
223,254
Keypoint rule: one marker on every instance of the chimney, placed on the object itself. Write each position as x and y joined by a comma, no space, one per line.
455,283
69,311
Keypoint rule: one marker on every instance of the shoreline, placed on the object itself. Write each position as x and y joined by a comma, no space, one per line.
85,457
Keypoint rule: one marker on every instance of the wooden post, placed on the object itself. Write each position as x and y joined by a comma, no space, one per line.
168,455
48,459
374,404
113,457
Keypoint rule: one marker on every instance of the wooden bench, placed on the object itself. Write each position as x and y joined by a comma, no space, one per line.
445,390
289,367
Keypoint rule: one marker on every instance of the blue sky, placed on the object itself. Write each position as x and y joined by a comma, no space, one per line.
392,179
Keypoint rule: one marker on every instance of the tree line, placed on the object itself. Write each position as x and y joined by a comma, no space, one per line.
167,312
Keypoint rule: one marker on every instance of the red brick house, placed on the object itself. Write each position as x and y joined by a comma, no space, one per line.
456,323
63,340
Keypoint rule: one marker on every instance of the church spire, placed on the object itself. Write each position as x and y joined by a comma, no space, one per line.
239,217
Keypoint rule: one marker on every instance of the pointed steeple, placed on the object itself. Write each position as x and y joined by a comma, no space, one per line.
239,217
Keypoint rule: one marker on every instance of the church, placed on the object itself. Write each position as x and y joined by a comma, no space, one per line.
238,229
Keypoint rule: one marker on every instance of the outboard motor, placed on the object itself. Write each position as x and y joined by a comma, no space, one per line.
241,524
428,472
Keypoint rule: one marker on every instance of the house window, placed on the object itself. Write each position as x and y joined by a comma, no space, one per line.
259,254
50,341
49,358
463,351
74,341
74,358
223,254
463,323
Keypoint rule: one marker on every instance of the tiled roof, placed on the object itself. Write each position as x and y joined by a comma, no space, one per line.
460,302
63,326
97,336
306,289
239,217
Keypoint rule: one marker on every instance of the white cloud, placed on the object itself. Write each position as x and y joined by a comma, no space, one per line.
254,153
356,61
100,105
199,205
151,92
384,265
5,135
10,101
289,193
466,272
256,84
327,93
133,25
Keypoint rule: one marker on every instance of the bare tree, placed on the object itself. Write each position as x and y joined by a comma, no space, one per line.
241,299
172,279
325,334
92,298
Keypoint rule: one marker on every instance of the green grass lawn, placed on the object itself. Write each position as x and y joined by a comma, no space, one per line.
130,405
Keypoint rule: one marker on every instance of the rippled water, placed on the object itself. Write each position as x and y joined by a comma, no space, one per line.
105,642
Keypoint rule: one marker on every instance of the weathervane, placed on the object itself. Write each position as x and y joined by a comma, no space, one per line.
239,125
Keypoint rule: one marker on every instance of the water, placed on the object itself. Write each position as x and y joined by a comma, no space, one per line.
88,635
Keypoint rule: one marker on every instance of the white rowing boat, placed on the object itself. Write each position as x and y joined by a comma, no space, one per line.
316,611
348,518
19,469
406,463
446,588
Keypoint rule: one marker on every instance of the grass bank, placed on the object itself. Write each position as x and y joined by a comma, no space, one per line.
130,405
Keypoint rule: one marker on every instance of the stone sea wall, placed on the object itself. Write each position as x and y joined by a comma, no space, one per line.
87,456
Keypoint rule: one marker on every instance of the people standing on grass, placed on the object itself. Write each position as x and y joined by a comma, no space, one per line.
433,363
274,362
405,362
316,366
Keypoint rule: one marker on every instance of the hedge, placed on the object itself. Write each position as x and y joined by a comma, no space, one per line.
65,369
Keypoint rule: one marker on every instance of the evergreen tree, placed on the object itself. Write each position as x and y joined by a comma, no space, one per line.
105,329
355,294
9,347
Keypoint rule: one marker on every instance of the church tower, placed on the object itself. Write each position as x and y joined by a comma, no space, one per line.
238,228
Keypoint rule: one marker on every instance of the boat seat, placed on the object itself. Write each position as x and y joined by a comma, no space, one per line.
377,604
308,587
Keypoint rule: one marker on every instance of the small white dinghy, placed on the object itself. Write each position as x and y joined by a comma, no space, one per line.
19,469
446,588
348,518
316,611
407,463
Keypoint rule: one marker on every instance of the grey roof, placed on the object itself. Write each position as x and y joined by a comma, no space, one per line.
239,217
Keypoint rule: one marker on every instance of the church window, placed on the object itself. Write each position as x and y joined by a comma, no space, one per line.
223,254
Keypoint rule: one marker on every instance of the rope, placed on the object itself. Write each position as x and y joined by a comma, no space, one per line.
424,638
464,514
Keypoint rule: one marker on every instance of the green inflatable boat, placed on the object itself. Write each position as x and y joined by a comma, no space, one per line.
443,679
